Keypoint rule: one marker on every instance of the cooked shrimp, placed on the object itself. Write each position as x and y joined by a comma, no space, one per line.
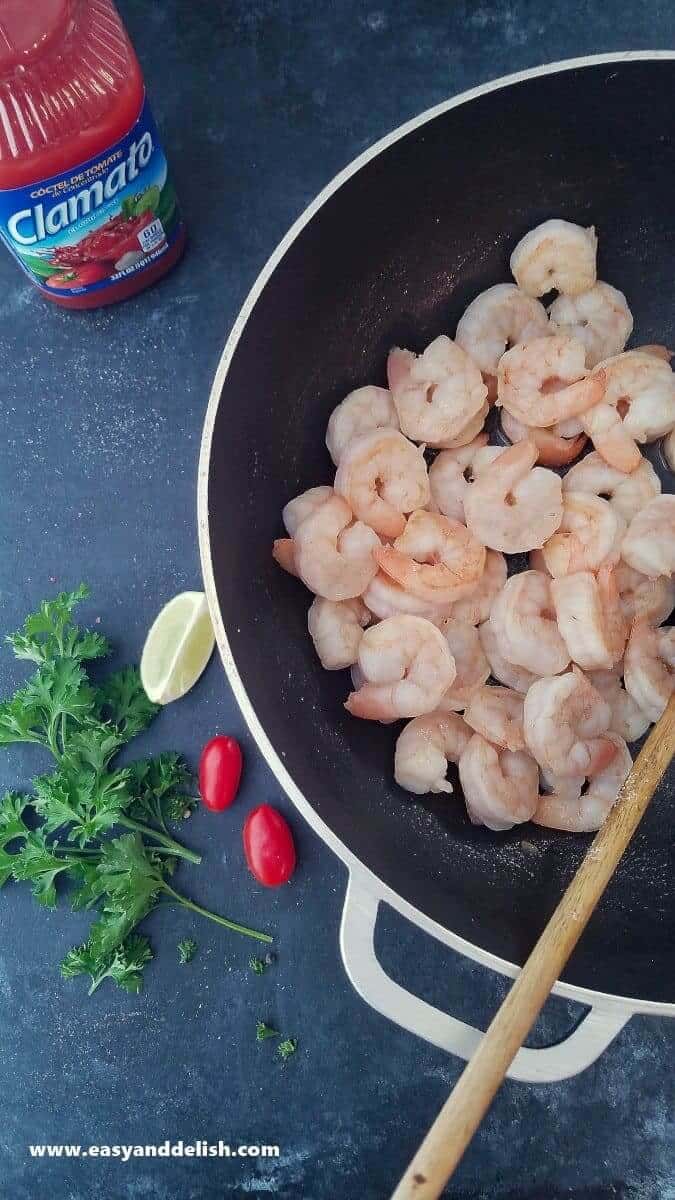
450,475
652,600
477,606
511,676
382,476
407,668
570,428
546,381
553,450
365,409
303,506
657,350
567,809
628,719
336,628
358,680
600,318
557,254
501,787
524,620
385,598
333,555
641,387
627,493
590,618
283,552
537,562
434,558
649,665
491,384
649,544
497,319
399,364
611,439
565,723
293,514
559,797
441,393
424,749
668,447
589,535
514,506
470,431
471,664
484,457
496,713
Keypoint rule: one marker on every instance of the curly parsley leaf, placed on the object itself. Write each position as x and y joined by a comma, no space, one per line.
156,787
6,866
130,872
187,949
92,745
85,804
122,912
49,633
21,721
60,687
286,1048
38,712
127,881
40,865
12,827
88,887
123,702
178,807
125,967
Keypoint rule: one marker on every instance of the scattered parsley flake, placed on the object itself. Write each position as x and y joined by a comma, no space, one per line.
186,951
263,1031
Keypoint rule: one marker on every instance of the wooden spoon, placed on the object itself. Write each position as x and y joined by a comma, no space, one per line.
463,1111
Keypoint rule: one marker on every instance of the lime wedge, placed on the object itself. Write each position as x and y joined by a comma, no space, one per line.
178,646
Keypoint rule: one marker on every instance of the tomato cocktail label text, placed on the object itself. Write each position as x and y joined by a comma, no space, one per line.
101,221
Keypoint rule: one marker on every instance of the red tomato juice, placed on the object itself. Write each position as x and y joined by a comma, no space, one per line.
87,206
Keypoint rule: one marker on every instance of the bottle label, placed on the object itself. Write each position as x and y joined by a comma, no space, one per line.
100,222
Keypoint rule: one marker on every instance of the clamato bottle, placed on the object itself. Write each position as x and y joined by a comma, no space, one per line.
87,206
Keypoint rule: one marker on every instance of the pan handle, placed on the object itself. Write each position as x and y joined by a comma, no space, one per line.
547,1065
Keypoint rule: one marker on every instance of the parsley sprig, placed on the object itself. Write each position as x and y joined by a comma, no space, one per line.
67,829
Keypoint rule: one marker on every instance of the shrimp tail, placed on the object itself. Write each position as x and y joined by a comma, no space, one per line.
612,441
558,451
600,752
372,702
395,564
579,397
399,363
283,553
490,382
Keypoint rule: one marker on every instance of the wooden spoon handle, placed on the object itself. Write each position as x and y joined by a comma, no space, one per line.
463,1111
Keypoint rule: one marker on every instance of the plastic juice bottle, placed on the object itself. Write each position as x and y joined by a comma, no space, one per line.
87,206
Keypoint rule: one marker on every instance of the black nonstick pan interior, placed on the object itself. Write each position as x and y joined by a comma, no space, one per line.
393,257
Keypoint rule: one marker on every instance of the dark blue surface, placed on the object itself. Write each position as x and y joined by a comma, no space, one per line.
259,104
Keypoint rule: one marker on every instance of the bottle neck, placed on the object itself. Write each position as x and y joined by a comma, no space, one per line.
76,90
